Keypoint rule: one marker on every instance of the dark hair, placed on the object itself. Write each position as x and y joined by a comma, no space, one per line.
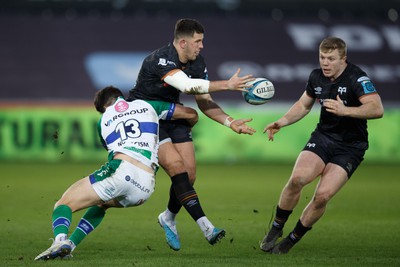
187,27
333,43
106,97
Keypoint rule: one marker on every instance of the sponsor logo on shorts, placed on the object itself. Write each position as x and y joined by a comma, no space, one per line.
136,184
309,145
109,191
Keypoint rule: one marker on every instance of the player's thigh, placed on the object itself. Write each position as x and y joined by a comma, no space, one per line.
133,186
187,152
80,195
307,168
332,180
170,159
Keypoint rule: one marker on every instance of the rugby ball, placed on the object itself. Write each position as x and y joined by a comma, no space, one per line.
261,91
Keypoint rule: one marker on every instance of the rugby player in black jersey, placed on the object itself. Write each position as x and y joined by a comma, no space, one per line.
166,73
335,149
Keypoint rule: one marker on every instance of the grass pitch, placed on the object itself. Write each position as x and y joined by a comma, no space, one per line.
360,227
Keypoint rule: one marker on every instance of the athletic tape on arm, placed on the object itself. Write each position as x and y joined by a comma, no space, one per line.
183,83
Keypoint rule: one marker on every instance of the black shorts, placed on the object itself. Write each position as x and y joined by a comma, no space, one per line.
177,130
329,150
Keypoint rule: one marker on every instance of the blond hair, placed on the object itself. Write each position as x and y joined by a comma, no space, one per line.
332,43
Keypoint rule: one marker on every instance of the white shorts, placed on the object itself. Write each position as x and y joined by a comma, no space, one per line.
123,181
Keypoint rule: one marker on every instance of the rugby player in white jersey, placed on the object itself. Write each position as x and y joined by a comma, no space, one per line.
129,132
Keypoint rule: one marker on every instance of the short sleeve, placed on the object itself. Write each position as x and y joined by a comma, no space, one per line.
310,90
364,86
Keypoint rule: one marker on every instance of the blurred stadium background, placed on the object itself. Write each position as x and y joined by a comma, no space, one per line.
55,54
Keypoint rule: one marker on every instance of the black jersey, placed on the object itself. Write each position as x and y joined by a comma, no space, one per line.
150,86
351,85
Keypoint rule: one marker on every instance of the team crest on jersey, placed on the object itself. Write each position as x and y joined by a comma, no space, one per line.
165,62
121,106
342,90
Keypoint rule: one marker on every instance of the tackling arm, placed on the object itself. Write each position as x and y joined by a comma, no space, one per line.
186,113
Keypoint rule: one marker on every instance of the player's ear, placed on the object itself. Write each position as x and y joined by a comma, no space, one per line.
182,43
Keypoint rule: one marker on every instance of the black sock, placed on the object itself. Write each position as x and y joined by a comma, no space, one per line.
298,232
174,205
281,217
186,195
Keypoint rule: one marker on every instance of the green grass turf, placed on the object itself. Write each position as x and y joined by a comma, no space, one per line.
360,227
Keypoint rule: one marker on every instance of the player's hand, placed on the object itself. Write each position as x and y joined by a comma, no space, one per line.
239,126
237,83
272,129
336,107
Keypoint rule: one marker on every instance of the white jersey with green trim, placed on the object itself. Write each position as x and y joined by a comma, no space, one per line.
131,128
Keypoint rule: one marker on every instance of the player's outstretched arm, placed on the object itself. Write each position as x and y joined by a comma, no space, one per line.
271,129
235,83
298,111
211,109
178,79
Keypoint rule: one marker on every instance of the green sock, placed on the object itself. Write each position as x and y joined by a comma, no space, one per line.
89,221
61,218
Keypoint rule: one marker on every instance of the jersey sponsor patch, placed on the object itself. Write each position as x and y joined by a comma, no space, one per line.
368,87
363,78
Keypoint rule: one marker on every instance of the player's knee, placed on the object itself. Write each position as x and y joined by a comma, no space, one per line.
296,183
321,199
173,167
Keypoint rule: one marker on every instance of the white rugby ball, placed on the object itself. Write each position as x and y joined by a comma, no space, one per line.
261,91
